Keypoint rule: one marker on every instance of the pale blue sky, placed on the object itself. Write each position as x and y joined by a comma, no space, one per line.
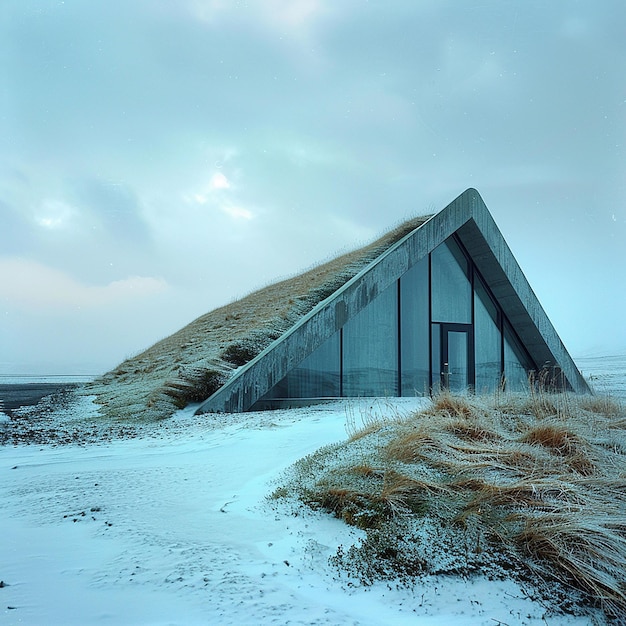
160,158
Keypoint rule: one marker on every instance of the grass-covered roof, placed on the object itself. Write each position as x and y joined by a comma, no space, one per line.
194,362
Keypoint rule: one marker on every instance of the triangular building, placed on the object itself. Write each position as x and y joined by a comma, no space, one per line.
445,306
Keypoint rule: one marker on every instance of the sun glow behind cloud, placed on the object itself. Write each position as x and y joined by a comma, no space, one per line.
219,194
54,215
219,181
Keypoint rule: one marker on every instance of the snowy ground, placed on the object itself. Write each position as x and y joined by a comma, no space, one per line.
174,527
606,374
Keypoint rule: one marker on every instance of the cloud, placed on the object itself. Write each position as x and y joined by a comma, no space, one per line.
154,138
296,17
285,14
31,285
14,228
236,212
219,194
115,207
55,215
219,181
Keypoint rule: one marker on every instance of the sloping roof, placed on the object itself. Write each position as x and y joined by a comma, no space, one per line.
194,362
469,219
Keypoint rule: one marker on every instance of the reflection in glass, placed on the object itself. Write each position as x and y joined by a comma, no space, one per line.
451,287
456,373
370,348
436,358
487,340
414,330
516,364
318,376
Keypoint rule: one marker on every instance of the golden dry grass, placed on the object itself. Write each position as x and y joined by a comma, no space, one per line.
540,480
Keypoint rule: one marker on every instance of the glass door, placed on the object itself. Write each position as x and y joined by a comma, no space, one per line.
457,357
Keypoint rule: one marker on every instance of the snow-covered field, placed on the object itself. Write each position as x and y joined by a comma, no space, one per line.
606,374
174,527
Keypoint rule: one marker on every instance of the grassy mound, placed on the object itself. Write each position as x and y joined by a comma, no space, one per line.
190,365
532,487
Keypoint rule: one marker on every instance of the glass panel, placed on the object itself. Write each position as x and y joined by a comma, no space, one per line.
457,361
414,330
436,360
370,348
451,288
315,377
516,364
487,340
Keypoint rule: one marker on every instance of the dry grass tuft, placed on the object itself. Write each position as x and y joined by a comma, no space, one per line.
365,497
367,471
556,438
564,443
589,552
364,419
364,431
401,493
581,464
413,446
445,402
472,432
524,461
602,405
338,500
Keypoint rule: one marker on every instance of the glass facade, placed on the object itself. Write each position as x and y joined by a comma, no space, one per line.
516,362
318,376
451,287
438,325
487,340
370,348
456,368
414,322
436,360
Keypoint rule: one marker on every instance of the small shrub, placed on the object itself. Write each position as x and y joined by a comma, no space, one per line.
279,492
240,352
195,385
